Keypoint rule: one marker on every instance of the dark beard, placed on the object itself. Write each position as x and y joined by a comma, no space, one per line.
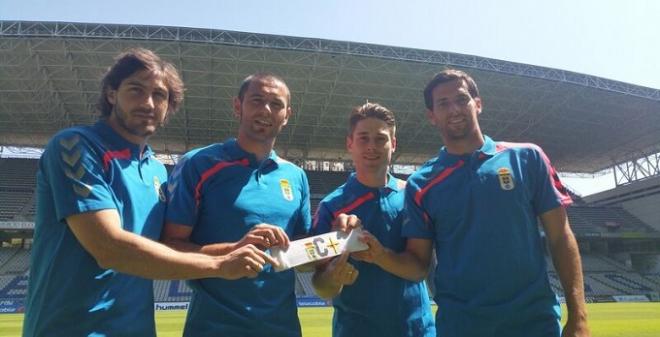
121,120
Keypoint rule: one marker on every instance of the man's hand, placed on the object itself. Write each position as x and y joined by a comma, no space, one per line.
340,272
576,328
264,236
345,222
246,261
375,252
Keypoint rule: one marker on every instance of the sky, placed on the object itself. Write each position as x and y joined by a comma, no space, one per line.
613,39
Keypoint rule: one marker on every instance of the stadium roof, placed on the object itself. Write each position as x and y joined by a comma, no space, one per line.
50,74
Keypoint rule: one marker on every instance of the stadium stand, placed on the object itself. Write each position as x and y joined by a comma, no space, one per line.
14,204
13,287
606,276
17,184
617,265
304,282
655,278
626,284
322,183
171,291
602,219
593,263
18,173
5,255
18,263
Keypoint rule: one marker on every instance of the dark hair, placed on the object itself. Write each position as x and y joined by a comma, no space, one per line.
136,59
371,110
445,76
258,76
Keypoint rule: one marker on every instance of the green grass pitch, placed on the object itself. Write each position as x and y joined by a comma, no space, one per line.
606,320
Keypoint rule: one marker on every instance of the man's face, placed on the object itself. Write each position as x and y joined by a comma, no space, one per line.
371,145
139,105
264,110
454,111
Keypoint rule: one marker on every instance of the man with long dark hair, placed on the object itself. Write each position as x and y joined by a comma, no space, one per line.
100,205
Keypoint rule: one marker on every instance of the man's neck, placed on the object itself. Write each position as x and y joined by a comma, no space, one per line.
464,146
260,150
131,138
375,179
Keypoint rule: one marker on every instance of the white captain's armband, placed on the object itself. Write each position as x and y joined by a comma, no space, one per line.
317,247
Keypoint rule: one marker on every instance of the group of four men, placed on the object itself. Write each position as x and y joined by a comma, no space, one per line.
107,222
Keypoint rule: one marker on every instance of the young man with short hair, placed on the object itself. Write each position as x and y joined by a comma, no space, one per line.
370,295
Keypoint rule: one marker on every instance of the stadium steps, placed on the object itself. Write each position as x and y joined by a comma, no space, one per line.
642,280
305,280
12,202
18,264
592,263
555,284
171,291
632,222
598,287
6,255
654,278
28,210
580,220
4,281
18,174
620,286
599,277
325,182
616,264
13,286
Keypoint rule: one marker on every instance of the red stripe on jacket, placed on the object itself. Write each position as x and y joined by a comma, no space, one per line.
213,170
110,155
355,204
442,176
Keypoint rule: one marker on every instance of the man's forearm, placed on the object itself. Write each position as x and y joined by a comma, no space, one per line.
215,249
566,259
404,265
112,247
132,254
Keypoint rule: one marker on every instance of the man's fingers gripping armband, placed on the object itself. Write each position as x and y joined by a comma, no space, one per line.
317,248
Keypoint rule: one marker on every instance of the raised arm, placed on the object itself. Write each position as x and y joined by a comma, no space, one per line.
100,234
411,264
262,236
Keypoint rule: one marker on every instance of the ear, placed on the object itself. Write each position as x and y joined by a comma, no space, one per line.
111,96
393,144
349,143
477,102
236,103
289,112
430,116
